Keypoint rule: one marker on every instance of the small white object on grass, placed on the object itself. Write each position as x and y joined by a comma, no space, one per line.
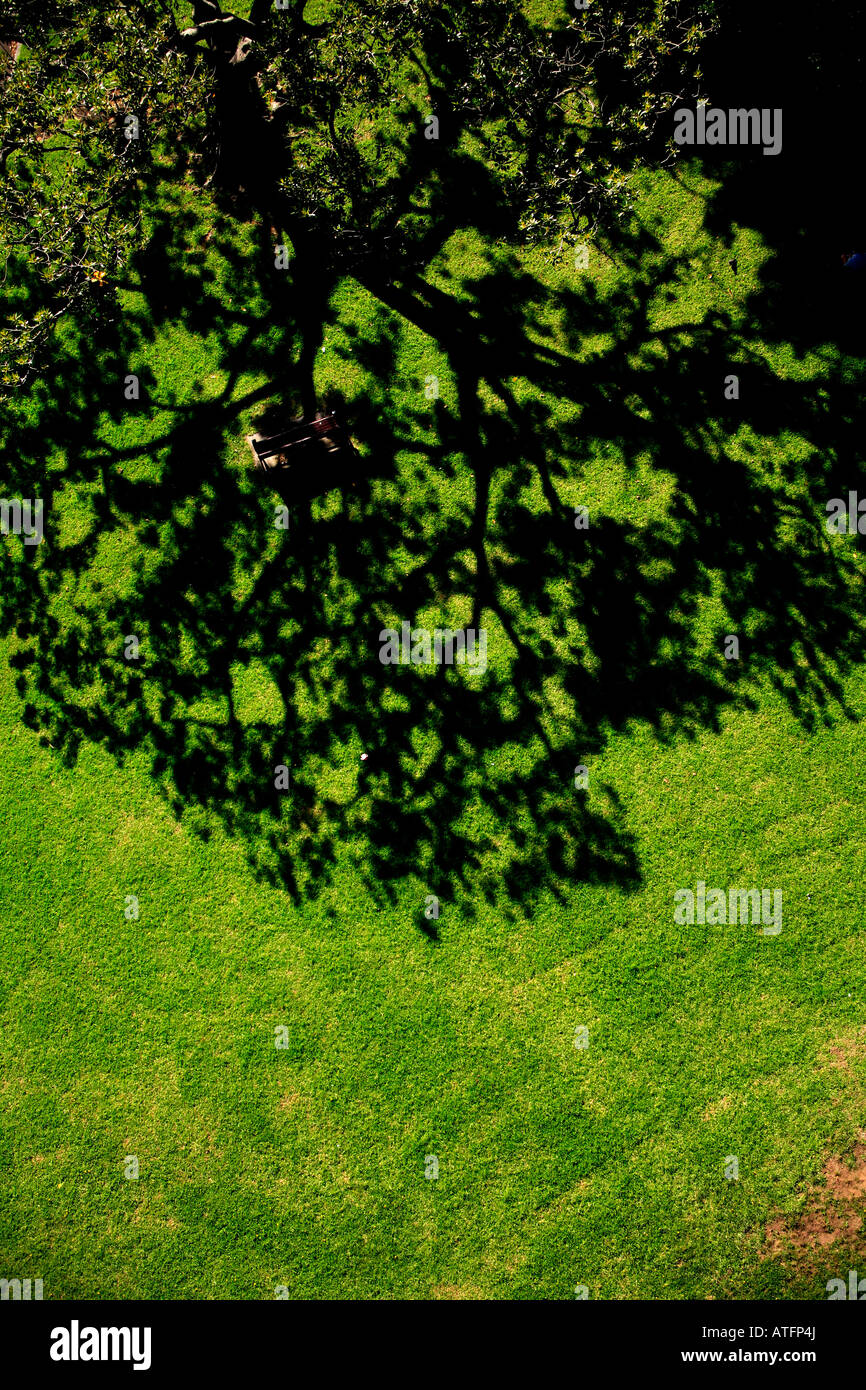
364,756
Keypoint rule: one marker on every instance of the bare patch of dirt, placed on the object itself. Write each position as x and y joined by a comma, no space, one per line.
832,1217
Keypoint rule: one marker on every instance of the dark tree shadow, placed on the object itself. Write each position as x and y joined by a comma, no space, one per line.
468,786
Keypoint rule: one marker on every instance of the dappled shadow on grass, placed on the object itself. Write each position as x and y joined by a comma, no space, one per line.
459,515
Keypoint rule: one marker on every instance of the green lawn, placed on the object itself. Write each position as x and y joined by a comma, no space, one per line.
558,1166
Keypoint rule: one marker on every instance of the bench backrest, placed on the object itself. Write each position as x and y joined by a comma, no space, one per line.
302,433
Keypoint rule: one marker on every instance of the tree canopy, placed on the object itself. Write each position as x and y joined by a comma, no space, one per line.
335,133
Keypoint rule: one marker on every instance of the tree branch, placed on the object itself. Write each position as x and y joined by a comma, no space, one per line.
226,24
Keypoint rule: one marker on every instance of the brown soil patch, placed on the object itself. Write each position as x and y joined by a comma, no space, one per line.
842,1053
833,1216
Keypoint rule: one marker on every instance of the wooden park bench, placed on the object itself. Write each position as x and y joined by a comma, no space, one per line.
302,447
